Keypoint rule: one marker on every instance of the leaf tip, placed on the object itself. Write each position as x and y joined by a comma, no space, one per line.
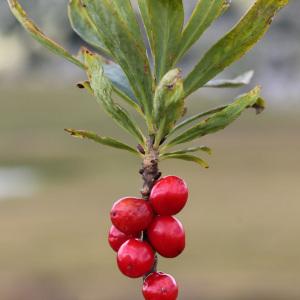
256,90
208,150
73,132
248,76
68,130
80,85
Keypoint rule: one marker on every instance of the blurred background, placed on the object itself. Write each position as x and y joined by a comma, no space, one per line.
242,220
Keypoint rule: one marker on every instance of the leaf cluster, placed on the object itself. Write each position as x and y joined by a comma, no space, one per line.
120,65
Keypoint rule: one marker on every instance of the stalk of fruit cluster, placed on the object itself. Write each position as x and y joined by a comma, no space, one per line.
150,174
149,171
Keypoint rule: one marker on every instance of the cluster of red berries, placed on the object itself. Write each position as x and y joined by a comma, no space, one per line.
141,228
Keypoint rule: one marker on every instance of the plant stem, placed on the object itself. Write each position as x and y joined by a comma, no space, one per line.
150,173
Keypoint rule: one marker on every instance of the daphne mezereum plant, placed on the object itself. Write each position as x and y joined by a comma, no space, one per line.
120,68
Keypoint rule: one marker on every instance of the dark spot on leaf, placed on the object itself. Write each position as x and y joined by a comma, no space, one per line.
170,86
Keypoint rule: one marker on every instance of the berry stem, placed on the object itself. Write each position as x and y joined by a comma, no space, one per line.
150,173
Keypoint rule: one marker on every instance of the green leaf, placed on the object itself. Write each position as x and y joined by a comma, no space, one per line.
107,141
234,44
117,76
102,88
259,106
204,14
84,26
38,35
188,150
120,33
168,104
239,81
188,157
163,21
219,120
194,118
118,79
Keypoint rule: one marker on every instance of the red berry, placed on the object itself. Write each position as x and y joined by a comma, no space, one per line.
169,195
167,236
135,258
131,215
160,286
116,238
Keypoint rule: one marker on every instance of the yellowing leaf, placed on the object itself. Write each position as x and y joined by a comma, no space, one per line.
102,89
107,141
219,120
38,35
234,44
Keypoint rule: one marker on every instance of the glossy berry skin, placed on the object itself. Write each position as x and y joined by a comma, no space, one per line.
131,215
135,258
167,236
160,286
169,195
116,238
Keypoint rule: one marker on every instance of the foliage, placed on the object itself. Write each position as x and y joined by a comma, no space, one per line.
121,65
